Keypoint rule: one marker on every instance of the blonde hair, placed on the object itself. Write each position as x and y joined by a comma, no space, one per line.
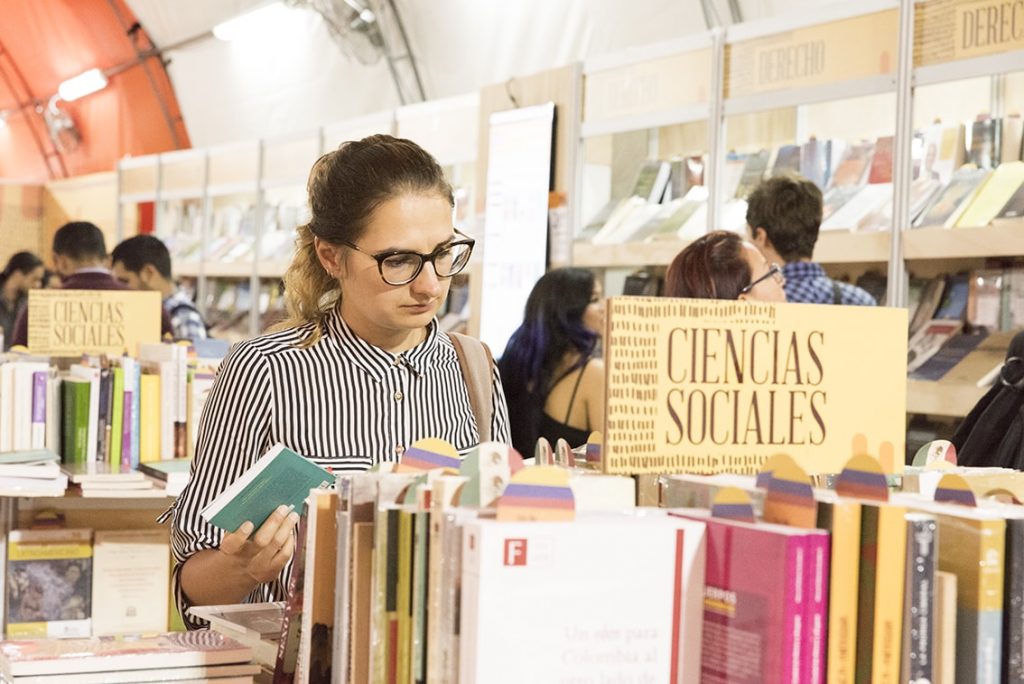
345,187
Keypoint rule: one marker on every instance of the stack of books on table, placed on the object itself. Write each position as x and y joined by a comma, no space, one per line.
172,475
32,472
175,656
256,625
107,480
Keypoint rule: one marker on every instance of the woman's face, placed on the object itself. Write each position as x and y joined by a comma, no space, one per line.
593,315
411,222
767,289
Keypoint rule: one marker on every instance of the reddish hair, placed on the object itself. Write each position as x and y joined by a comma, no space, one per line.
711,267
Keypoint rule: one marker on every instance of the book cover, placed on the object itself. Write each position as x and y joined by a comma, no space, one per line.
951,353
954,298
112,654
926,343
526,572
919,599
1014,207
651,180
972,546
753,173
291,623
818,590
993,195
49,586
787,160
127,564
867,200
953,199
279,477
928,303
852,169
985,299
116,415
762,614
92,375
986,143
1012,138
880,599
23,394
880,170
815,161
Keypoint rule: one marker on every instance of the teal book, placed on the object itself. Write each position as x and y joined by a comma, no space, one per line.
281,476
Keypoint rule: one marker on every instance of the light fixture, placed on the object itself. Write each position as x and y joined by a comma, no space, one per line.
260,21
85,83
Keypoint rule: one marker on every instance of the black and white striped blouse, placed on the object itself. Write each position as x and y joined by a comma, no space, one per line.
342,402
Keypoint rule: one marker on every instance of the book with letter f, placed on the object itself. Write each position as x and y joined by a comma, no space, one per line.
281,476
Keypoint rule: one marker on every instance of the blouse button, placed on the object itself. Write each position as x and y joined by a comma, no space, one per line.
399,450
399,396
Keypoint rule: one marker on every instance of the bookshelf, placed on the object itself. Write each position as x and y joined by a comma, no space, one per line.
942,399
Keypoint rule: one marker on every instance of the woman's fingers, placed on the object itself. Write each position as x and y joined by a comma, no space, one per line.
233,542
265,536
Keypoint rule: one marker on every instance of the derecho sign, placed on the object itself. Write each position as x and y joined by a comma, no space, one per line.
73,322
708,386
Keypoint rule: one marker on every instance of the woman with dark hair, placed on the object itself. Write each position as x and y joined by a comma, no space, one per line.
722,265
358,372
24,272
553,384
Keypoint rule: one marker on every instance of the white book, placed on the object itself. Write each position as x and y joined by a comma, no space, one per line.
592,492
212,674
24,395
127,565
53,413
48,470
634,612
93,376
81,473
870,198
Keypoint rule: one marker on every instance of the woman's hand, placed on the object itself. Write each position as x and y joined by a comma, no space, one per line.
261,556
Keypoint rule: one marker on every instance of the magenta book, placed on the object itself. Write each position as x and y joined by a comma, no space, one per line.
756,602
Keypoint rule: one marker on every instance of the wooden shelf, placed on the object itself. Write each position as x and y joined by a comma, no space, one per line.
626,255
271,268
1005,239
942,399
842,247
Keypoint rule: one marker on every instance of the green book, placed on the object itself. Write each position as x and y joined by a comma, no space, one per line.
117,415
280,477
76,420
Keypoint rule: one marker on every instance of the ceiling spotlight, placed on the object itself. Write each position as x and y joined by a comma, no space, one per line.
86,83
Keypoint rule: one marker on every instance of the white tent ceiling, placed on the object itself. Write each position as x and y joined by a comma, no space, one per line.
297,78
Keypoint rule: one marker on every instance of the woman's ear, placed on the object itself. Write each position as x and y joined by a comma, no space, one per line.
330,256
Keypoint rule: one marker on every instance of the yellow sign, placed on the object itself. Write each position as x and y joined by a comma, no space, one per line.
74,322
704,386
826,53
947,30
653,86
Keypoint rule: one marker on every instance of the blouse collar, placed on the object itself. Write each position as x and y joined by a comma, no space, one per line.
376,361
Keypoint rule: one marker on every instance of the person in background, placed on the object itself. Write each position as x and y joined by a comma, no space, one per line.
51,280
784,216
722,265
358,373
80,257
24,272
144,263
554,382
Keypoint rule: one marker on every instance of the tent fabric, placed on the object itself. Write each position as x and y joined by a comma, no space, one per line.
49,41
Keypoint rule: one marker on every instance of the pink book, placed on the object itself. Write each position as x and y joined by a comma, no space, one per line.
817,607
756,601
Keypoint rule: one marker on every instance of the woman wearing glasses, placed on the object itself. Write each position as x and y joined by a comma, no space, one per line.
357,373
722,265
553,382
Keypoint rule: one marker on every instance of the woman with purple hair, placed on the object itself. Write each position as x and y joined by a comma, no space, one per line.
554,384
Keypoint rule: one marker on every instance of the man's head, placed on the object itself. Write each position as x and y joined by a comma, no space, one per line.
784,215
77,245
142,263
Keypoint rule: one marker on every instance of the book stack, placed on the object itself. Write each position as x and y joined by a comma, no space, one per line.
107,480
35,472
186,656
171,476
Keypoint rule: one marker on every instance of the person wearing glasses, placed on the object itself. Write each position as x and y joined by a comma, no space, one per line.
784,215
722,265
554,382
357,373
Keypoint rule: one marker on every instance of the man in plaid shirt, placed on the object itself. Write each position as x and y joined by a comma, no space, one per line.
784,215
143,263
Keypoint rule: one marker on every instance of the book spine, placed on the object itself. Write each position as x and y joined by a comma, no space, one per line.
845,564
919,600
116,416
866,593
81,434
288,646
817,609
136,414
150,421
103,418
889,588
39,380
404,599
1013,604
794,628
988,603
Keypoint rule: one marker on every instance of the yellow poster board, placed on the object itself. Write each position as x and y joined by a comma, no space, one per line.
74,322
705,386
852,48
948,30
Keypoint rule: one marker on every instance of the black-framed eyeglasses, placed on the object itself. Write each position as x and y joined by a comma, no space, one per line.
774,271
401,267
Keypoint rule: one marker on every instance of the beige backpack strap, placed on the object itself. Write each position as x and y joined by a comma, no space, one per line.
476,361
